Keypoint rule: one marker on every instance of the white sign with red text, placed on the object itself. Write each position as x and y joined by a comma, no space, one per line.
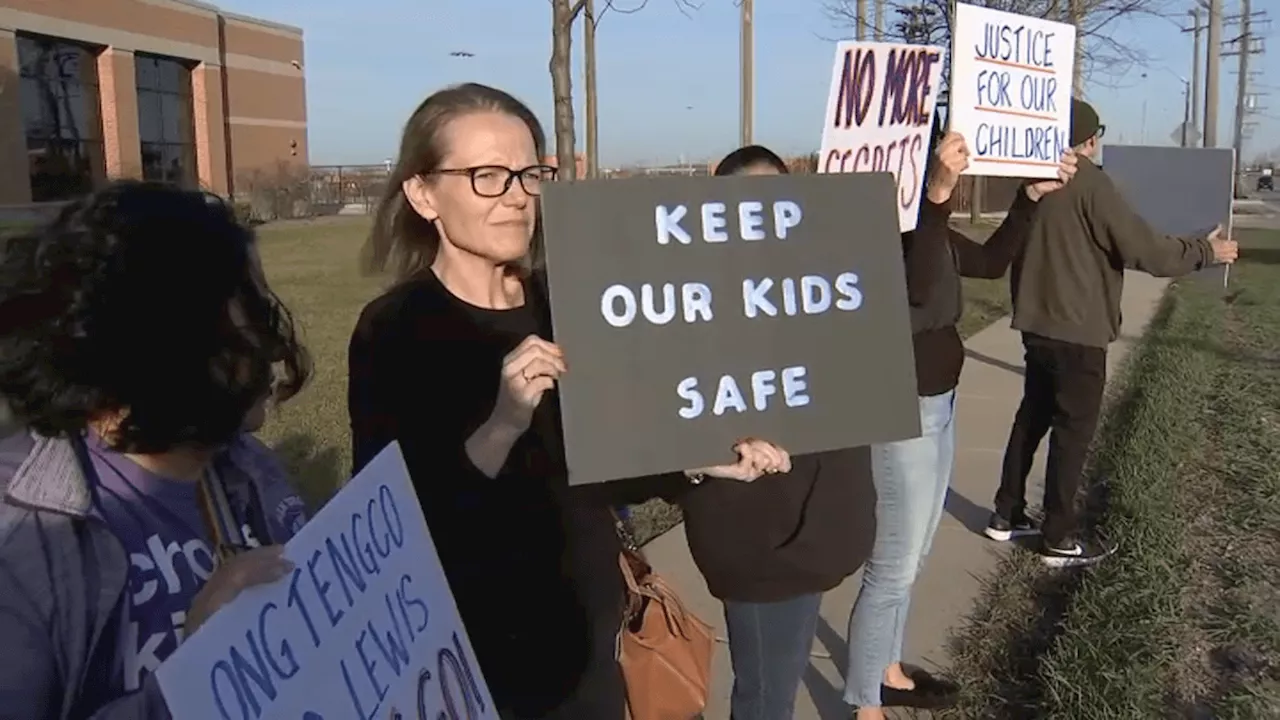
1011,91
880,114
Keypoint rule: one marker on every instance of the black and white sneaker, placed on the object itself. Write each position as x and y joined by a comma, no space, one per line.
1002,530
1073,552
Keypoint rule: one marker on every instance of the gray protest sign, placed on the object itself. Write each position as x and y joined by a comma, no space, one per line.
697,311
1179,191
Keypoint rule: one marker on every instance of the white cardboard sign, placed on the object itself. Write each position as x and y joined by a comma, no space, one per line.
1011,91
880,114
365,627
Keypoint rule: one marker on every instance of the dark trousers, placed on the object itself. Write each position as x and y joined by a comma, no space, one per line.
769,647
1063,393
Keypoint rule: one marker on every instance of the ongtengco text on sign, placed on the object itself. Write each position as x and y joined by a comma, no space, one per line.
364,628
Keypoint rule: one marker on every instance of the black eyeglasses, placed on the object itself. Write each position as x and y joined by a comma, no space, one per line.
493,181
1102,130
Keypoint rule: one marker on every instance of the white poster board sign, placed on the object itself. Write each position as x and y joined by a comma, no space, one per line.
1011,91
880,114
365,627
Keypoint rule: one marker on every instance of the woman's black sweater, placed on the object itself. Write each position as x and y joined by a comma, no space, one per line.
936,257
532,562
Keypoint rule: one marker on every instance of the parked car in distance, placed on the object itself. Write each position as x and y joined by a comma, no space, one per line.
1266,182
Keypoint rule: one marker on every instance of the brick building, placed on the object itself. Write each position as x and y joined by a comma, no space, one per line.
172,90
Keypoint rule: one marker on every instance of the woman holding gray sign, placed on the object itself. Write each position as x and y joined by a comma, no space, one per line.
912,476
769,550
456,362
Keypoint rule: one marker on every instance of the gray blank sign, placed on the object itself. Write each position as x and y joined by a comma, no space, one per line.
1179,191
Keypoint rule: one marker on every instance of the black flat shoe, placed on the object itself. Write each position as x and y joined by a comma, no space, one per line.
930,693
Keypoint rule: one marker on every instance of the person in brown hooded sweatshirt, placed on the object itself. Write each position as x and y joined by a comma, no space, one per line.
1066,287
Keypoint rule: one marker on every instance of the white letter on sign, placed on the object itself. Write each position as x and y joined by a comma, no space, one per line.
713,223
609,305
762,387
728,396
815,295
697,301
668,224
786,215
794,386
754,298
688,390
751,220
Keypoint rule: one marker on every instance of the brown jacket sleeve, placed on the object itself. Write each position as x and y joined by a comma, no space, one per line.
991,259
1124,233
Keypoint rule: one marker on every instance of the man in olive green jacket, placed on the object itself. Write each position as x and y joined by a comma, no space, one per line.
1066,287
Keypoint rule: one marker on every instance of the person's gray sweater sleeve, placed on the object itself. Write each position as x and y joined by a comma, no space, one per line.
146,704
30,688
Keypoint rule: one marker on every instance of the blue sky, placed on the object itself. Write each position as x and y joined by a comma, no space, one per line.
668,82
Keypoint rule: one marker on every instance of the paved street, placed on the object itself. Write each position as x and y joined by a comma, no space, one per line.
989,393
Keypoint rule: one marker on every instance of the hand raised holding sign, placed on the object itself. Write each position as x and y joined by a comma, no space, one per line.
259,566
755,458
528,372
950,160
1066,170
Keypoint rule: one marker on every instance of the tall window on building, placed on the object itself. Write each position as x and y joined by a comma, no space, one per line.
165,123
61,117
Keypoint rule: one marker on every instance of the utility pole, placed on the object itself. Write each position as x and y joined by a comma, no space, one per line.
1242,85
1212,71
1195,31
592,104
1186,115
862,20
747,53
1245,44
879,20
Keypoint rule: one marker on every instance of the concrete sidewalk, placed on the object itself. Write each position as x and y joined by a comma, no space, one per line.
989,392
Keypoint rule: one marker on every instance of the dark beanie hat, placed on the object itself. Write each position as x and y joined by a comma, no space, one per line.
1084,122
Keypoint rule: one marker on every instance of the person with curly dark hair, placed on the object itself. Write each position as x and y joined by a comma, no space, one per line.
139,345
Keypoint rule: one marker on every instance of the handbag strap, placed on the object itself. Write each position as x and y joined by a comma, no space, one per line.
215,509
624,534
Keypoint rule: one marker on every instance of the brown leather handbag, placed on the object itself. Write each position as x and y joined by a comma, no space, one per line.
665,650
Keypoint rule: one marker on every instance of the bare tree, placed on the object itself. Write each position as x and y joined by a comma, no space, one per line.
563,15
1103,51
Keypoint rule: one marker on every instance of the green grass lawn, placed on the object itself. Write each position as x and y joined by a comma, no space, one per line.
313,266
1184,621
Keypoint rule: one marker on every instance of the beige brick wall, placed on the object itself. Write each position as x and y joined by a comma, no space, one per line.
211,129
265,96
259,122
117,80
264,43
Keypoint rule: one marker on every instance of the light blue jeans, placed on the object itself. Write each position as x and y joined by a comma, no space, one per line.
911,479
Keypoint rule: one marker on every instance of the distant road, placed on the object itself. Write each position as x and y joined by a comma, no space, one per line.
1260,210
